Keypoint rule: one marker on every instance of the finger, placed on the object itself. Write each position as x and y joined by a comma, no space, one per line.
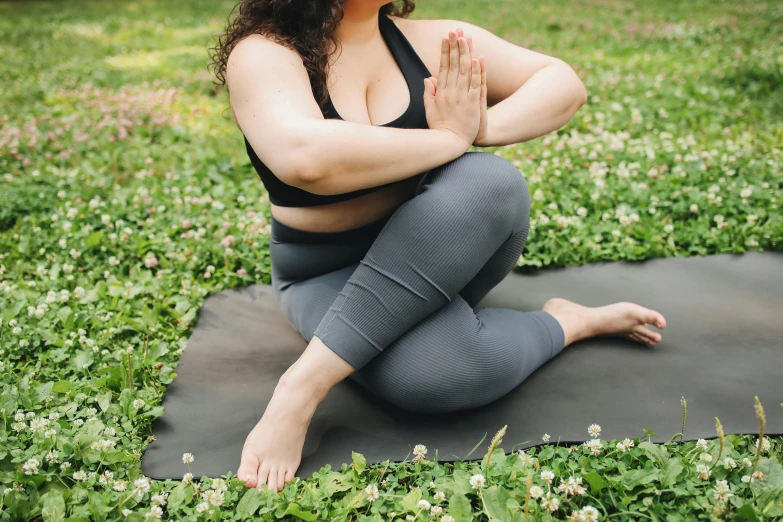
443,70
463,80
470,45
483,80
453,61
475,79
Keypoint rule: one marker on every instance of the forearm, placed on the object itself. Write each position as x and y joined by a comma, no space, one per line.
546,102
347,156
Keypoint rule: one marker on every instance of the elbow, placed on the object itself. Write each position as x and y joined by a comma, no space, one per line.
578,87
305,172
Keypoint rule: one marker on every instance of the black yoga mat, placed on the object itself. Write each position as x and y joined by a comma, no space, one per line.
722,346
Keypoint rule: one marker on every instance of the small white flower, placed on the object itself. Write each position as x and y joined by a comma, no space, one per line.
372,492
423,505
31,466
159,499
703,471
758,475
79,476
525,459
746,462
548,476
138,404
694,208
440,496
746,192
765,444
187,458
594,445
120,485
550,503
701,444
187,478
730,463
419,452
446,518
746,479
478,481
202,507
588,514
219,484
436,510
154,512
706,457
594,430
546,437
536,491
213,497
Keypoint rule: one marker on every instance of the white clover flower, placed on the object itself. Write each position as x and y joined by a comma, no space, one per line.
65,465
423,505
138,404
110,432
572,486
202,507
440,496
154,512
701,444
419,452
668,228
621,447
120,485
126,512
546,437
79,476
187,458
765,444
446,518
538,195
372,492
548,476
31,466
703,471
219,484
746,479
706,457
588,514
536,491
594,430
550,503
478,481
746,462
730,463
594,445
758,475
431,485
142,485
746,192
213,497
106,477
628,443
525,459
52,457
187,478
581,211
159,499
436,510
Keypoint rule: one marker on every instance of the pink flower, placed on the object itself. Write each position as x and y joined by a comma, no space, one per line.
151,262
186,223
228,240
241,272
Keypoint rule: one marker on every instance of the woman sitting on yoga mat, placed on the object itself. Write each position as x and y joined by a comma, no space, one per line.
386,233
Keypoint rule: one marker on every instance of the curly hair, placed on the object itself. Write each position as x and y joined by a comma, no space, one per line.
305,26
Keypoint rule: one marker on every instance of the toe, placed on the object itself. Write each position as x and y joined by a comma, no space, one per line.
273,479
281,478
248,469
289,475
656,319
263,476
646,334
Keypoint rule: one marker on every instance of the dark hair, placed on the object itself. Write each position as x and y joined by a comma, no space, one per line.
305,26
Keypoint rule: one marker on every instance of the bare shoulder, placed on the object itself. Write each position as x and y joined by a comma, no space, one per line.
257,54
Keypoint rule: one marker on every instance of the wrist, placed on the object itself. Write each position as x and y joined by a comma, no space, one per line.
454,142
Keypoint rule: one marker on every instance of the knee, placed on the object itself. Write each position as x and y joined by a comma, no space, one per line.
493,187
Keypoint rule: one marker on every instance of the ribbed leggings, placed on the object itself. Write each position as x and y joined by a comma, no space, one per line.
395,298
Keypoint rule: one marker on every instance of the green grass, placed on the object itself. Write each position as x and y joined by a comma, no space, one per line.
121,172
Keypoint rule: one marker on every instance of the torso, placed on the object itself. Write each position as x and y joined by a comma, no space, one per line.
370,73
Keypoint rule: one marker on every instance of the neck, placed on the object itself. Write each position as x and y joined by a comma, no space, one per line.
360,22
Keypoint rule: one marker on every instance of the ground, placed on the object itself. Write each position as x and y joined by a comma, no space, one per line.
127,198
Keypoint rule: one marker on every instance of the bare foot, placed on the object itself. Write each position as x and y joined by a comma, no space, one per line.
627,319
273,450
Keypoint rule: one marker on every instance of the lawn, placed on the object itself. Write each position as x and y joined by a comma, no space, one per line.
122,176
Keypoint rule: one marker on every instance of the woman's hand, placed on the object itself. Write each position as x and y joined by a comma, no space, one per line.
452,101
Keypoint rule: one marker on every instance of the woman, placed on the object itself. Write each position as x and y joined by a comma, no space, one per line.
385,231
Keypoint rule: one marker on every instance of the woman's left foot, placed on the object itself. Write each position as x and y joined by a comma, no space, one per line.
273,450
627,319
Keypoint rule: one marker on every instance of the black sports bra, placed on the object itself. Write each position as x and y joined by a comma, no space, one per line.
414,71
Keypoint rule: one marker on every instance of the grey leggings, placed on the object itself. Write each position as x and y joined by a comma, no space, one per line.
395,298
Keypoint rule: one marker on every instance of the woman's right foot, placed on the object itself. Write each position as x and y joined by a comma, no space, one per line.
627,319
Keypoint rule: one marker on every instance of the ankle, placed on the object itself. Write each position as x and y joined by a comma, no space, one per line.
305,389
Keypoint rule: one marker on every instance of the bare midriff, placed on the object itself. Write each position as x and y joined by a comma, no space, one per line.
352,213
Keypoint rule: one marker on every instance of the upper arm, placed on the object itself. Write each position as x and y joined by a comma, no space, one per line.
509,65
272,101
